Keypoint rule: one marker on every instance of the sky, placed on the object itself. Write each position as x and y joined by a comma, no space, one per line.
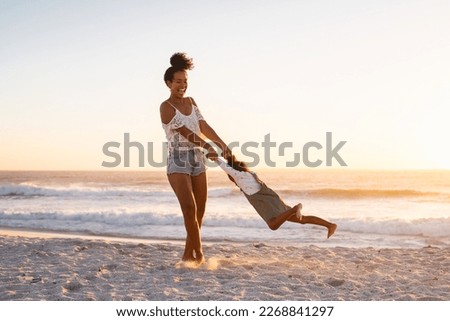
76,75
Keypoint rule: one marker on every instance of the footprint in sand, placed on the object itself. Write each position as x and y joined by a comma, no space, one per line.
72,286
335,282
80,248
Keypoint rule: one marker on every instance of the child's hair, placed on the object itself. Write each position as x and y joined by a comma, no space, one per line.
237,165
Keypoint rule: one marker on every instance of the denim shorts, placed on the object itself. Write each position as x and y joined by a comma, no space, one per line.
186,161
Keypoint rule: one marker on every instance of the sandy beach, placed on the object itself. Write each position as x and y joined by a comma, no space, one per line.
45,266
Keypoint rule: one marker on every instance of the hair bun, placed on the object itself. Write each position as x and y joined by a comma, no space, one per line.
180,61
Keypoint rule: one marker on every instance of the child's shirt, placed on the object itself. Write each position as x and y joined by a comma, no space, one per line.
244,180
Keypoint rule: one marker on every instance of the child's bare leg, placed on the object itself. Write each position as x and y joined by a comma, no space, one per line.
275,222
308,219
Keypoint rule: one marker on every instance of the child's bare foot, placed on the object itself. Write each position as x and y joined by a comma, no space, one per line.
298,209
331,230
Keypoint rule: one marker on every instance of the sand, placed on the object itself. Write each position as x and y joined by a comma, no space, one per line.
37,266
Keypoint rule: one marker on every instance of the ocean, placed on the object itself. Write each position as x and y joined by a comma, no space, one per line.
380,209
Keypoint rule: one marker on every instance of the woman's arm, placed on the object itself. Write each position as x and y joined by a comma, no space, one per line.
209,132
197,140
167,113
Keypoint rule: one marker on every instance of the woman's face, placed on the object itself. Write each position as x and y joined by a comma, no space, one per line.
179,84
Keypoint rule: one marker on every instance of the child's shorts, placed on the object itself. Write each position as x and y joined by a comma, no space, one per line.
267,203
186,161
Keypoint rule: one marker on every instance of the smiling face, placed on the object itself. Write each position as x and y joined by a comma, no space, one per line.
178,85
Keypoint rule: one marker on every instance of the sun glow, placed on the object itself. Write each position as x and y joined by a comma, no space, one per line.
295,69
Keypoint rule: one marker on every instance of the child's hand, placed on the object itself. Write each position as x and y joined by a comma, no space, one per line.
226,152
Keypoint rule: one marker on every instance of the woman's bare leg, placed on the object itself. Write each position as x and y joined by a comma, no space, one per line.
182,186
200,190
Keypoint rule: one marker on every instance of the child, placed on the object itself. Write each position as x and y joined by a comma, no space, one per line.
265,201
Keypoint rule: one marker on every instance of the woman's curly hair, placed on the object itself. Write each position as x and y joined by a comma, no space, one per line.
179,62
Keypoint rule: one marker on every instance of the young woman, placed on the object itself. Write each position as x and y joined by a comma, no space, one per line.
184,127
266,202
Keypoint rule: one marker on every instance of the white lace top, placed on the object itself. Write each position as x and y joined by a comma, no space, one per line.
244,180
191,122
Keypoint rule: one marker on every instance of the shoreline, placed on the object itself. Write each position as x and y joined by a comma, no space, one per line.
51,234
49,266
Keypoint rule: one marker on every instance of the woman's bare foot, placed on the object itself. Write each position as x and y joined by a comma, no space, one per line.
188,258
188,255
331,230
200,259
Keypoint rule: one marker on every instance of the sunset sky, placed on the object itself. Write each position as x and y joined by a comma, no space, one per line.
75,75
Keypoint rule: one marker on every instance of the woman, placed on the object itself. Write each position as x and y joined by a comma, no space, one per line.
184,126
266,202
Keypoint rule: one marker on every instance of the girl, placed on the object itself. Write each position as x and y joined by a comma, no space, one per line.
265,201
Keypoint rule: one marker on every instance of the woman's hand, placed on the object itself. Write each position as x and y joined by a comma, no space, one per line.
211,154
